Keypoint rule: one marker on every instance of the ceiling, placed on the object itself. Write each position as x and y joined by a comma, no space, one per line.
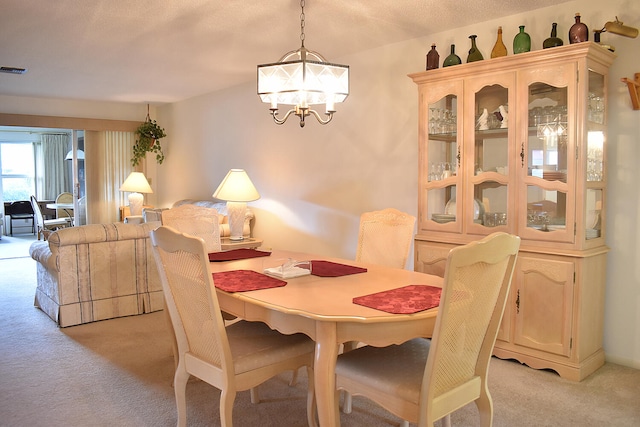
150,51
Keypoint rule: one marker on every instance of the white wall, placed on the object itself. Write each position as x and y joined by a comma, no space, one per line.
316,181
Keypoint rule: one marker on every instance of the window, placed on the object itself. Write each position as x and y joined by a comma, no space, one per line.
18,170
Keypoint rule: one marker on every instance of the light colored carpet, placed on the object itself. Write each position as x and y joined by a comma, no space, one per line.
118,372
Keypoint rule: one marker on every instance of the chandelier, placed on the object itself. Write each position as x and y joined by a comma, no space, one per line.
303,78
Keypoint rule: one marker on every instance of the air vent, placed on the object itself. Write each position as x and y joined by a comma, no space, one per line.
13,70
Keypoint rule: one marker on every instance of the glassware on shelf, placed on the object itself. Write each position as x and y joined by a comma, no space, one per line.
499,49
521,42
579,32
553,40
442,121
433,58
595,108
452,59
474,52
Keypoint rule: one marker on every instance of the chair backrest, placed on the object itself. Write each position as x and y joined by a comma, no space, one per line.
385,237
64,198
476,284
37,213
197,221
187,283
20,207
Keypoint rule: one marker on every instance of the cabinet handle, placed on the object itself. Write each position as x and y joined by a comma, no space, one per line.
458,157
522,154
518,302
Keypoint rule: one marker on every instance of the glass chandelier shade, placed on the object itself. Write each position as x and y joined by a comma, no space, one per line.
303,78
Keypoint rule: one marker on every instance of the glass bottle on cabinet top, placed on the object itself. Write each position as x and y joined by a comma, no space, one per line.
433,58
474,52
521,42
452,59
499,49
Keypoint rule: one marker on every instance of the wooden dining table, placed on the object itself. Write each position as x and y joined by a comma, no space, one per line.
323,309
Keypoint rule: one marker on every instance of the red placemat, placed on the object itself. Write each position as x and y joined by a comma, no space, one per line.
333,269
245,280
406,300
236,254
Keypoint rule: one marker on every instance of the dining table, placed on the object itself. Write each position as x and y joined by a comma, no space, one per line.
323,308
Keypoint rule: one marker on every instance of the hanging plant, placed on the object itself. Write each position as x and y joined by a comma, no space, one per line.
148,137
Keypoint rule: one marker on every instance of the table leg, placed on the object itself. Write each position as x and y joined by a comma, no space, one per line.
324,374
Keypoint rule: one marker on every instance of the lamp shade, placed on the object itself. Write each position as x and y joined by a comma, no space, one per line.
137,183
80,155
236,187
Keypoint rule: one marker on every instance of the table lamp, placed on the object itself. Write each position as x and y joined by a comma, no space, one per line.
236,189
136,183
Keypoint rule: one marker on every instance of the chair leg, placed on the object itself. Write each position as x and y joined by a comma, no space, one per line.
484,403
348,399
180,388
227,397
255,395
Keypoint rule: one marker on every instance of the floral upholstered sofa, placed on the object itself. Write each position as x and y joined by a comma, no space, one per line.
96,272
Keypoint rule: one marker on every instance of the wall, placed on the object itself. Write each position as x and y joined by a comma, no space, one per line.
316,181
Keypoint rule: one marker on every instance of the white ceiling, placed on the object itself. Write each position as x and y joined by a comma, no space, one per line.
159,51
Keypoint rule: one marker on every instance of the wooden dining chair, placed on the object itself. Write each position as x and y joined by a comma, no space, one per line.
385,237
237,357
197,221
425,380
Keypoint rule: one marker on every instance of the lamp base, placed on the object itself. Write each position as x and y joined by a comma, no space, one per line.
236,211
135,204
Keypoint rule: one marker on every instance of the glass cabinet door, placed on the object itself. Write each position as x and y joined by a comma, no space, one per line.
488,200
547,155
442,161
595,161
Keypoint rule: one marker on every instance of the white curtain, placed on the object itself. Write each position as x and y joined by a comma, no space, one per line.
52,171
107,164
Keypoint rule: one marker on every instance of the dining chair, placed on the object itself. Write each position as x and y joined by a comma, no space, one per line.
425,380
384,237
234,358
44,227
197,221
67,214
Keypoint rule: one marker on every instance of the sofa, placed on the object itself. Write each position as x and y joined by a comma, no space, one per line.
155,214
96,272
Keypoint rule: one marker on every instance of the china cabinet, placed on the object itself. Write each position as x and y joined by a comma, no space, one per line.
516,144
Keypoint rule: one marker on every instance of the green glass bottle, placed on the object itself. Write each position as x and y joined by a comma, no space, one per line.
499,49
554,40
521,42
452,59
474,53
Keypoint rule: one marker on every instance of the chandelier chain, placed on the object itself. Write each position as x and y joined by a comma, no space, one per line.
302,22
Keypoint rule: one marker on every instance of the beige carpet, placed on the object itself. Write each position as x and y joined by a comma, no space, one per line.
118,373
